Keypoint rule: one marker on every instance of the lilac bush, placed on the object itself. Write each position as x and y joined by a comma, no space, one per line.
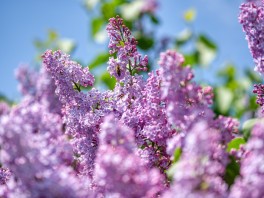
154,136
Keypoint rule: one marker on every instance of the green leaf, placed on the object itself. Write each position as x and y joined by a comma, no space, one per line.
171,170
38,44
235,143
206,49
131,11
102,58
90,4
108,80
248,126
183,37
154,19
224,98
177,155
96,25
66,45
228,72
145,42
191,59
52,35
232,171
253,76
108,9
3,98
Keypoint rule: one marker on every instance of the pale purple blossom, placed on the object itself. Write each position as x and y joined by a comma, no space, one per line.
199,172
252,19
250,181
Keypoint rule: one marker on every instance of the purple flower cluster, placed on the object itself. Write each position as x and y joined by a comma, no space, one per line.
61,141
199,171
37,154
186,102
259,90
252,19
127,60
119,170
38,86
250,183
4,175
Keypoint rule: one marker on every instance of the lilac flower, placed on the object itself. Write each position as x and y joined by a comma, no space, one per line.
67,75
152,129
252,19
128,60
198,173
259,90
119,171
37,154
228,127
250,183
27,80
4,108
39,86
185,100
117,68
82,112
256,2
4,175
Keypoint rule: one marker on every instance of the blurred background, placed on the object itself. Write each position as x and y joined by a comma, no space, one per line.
207,33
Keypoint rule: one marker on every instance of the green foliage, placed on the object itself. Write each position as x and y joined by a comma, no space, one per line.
177,154
185,36
203,51
96,25
235,143
232,171
3,98
108,80
248,126
206,49
233,97
223,99
101,59
54,42
145,42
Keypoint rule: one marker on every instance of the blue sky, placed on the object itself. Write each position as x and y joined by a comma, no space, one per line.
23,21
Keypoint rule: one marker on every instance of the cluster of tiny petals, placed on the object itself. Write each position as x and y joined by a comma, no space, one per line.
120,143
119,172
250,183
115,134
27,80
66,73
117,68
252,19
256,2
203,178
36,153
124,45
4,108
185,100
228,127
38,85
119,34
4,175
259,90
